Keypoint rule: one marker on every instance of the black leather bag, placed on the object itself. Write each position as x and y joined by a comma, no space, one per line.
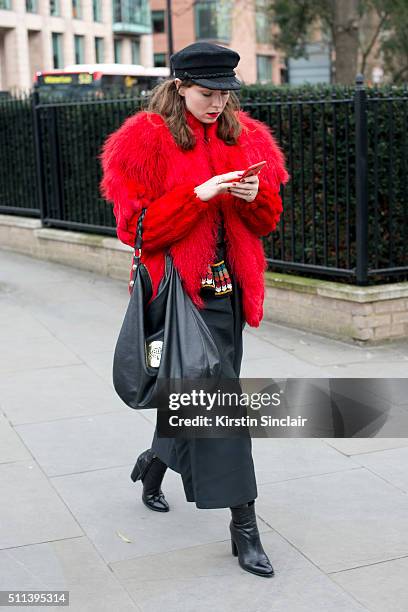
188,350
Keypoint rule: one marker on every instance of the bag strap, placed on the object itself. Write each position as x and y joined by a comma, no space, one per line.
138,253
136,260
138,240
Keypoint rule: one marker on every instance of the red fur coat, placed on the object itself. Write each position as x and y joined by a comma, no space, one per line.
144,167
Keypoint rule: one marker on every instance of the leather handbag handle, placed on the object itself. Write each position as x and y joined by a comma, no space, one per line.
138,238
145,277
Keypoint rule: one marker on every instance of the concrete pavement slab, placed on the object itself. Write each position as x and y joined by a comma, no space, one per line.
388,369
31,511
281,459
100,362
56,393
66,565
150,414
83,325
388,464
105,502
322,351
280,365
32,354
339,520
356,446
11,446
58,292
256,348
380,587
16,322
208,577
21,271
67,446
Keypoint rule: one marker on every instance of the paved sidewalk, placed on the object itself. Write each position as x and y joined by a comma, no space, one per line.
333,512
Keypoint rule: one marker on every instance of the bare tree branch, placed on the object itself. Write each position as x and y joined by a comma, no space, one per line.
400,72
376,34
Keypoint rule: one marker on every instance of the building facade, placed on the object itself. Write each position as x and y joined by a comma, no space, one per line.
45,34
319,66
243,25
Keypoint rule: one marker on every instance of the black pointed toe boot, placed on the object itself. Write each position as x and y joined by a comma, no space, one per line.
150,470
246,543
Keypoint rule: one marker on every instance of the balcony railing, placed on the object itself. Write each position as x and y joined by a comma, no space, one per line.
132,17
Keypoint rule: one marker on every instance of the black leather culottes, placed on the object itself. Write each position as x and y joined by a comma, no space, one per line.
216,472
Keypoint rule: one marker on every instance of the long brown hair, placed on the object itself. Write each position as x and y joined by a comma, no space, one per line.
167,102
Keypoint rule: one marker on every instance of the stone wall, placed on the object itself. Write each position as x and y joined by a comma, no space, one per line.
366,314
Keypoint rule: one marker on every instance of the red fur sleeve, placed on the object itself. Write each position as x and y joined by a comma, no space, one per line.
133,168
262,215
168,218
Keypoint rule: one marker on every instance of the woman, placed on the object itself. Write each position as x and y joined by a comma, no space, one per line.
177,160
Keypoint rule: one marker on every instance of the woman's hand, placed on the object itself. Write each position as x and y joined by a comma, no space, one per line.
216,185
247,190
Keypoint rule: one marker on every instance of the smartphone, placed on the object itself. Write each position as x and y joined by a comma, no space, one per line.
254,169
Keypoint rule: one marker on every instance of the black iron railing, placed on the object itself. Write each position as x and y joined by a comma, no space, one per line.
345,206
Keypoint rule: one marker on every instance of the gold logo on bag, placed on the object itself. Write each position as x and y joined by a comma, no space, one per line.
153,353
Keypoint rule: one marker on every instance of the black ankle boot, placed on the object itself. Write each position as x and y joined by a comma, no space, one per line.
150,470
245,541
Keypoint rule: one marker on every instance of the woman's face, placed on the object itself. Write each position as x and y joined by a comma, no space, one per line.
201,102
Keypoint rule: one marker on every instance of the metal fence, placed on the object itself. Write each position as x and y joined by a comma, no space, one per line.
18,193
345,207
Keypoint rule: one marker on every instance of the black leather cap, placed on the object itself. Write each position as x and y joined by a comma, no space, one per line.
206,64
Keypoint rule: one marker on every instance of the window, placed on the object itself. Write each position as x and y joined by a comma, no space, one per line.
263,22
118,50
263,68
76,9
57,50
31,6
213,20
99,50
55,8
136,12
97,10
284,71
158,19
159,60
79,49
135,49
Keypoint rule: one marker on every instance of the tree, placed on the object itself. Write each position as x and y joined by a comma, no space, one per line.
395,42
343,22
